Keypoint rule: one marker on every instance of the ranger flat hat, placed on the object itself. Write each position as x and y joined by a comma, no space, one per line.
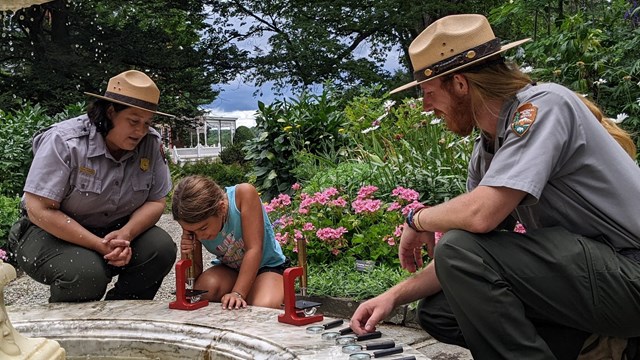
133,88
452,43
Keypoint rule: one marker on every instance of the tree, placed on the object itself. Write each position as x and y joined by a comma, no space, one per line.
344,42
58,50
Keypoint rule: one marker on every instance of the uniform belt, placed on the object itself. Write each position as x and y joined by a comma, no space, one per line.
633,254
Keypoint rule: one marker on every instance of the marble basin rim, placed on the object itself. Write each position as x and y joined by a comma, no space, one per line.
142,329
150,330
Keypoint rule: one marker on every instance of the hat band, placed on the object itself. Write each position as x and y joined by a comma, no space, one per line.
132,101
453,62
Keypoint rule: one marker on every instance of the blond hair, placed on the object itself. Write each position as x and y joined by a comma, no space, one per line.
501,81
196,198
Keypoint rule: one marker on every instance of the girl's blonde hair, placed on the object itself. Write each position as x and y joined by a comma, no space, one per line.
196,198
501,81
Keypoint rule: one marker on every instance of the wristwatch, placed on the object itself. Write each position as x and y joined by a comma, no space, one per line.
409,219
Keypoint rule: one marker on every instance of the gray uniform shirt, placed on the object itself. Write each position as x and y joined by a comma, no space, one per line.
72,165
576,175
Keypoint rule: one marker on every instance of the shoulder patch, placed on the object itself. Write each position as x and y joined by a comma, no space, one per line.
523,118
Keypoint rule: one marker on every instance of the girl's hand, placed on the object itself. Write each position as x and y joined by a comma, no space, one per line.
233,300
187,242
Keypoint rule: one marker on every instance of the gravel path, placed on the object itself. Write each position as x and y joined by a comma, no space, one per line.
24,290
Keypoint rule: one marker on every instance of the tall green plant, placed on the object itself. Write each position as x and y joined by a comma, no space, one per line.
9,213
594,53
16,132
312,123
408,147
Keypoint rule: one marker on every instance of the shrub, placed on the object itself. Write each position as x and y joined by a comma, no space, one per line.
334,224
224,175
233,154
9,214
243,134
16,132
405,146
312,123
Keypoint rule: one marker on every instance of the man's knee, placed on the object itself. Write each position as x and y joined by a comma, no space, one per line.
436,318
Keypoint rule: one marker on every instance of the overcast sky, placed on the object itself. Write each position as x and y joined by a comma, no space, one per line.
237,98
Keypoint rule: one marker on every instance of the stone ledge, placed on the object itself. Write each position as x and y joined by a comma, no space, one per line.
344,308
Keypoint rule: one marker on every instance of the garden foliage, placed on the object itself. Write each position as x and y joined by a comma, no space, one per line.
334,224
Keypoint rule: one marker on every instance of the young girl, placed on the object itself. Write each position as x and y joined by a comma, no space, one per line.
233,225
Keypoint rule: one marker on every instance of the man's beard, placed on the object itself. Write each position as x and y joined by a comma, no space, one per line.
460,119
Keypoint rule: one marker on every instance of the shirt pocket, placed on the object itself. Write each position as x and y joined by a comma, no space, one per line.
141,185
89,184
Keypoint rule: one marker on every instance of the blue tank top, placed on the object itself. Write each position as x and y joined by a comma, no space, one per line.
228,246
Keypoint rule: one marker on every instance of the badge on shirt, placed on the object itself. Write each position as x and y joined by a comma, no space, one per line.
144,164
86,170
524,118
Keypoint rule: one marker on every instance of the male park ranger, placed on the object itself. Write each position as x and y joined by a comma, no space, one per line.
545,157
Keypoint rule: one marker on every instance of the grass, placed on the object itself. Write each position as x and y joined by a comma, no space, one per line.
341,279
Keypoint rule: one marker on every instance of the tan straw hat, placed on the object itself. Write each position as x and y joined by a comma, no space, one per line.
133,88
450,44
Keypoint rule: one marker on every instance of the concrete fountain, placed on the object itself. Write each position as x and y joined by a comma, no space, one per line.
13,345
136,330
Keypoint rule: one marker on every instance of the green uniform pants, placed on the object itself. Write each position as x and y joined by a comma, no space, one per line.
76,274
530,296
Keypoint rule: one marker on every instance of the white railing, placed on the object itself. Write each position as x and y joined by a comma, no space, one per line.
181,155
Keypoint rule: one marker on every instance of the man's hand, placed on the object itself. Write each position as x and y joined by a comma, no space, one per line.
370,313
410,251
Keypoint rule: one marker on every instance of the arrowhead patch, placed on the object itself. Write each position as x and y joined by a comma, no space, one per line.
523,119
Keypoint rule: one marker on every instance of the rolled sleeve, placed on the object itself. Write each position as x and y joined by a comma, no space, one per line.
51,168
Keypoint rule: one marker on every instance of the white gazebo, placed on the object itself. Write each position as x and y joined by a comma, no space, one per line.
207,140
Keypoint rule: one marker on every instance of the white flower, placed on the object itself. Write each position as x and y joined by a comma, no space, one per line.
369,129
427,113
527,69
381,117
435,121
600,81
638,101
388,104
620,118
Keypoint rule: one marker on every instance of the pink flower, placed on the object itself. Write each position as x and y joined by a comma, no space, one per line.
389,240
339,202
308,227
366,191
282,238
331,234
520,228
366,205
394,206
414,205
438,236
296,187
398,231
405,194
3,255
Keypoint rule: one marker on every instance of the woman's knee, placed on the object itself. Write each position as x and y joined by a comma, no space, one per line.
88,283
156,247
